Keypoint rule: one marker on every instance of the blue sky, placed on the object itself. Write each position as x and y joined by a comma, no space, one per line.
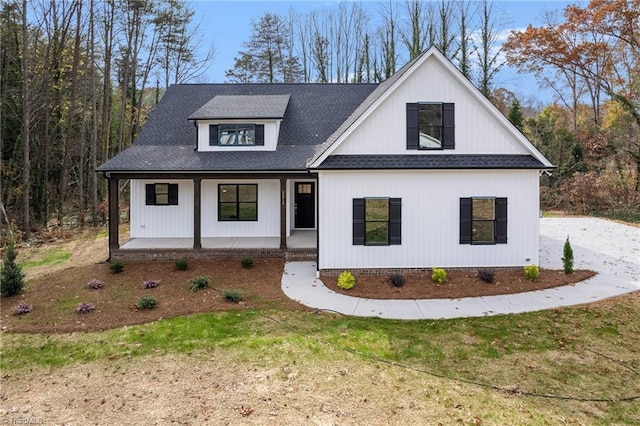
228,25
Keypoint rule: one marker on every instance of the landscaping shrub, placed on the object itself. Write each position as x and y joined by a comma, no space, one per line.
11,277
147,302
396,280
22,308
199,283
532,272
116,266
85,308
232,295
439,275
151,284
182,264
346,280
486,275
567,258
95,284
246,262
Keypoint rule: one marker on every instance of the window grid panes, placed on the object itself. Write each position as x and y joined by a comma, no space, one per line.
484,220
237,202
236,134
430,125
376,221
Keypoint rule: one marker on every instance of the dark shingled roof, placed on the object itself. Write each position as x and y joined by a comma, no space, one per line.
255,106
435,161
168,139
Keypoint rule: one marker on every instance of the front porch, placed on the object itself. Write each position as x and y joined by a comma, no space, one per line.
301,245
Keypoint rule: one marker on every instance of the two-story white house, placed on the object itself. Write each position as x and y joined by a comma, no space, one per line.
416,172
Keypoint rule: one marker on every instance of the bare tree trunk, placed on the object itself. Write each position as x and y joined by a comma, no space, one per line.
26,121
94,118
64,178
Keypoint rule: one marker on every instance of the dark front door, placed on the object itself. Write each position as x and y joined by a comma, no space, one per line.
305,205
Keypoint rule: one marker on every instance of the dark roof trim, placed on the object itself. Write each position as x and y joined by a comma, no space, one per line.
430,162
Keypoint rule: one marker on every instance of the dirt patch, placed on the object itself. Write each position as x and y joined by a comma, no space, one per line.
458,284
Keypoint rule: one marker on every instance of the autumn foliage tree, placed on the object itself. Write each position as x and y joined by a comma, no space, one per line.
595,51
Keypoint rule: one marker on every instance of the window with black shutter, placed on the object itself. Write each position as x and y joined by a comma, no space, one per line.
483,220
377,221
161,194
430,125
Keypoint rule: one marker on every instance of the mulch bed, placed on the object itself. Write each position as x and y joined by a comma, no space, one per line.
458,284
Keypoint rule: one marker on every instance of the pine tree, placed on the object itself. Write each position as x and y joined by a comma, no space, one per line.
12,277
515,115
567,259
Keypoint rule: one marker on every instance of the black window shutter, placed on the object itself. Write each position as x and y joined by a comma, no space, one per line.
448,126
358,221
259,135
501,221
465,220
173,194
213,134
395,221
150,194
413,134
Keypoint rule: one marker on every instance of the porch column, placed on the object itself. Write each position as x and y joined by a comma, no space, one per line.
283,213
197,227
114,214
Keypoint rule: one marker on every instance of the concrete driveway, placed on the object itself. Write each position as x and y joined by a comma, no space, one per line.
610,248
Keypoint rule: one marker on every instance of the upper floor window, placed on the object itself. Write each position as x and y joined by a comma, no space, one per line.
430,125
236,135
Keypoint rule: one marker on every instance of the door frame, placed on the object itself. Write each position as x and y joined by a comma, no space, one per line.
314,194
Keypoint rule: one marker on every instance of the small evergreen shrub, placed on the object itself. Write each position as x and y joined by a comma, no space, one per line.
346,280
11,276
439,275
486,275
150,284
85,308
147,302
182,264
532,272
199,283
116,266
396,280
567,258
22,308
232,295
95,284
246,262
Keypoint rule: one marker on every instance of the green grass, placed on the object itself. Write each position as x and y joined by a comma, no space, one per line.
53,256
581,352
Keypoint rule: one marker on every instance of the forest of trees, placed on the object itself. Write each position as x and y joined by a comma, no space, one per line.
79,78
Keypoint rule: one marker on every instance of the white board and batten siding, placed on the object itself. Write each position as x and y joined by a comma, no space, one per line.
268,223
271,129
476,129
161,221
430,218
177,221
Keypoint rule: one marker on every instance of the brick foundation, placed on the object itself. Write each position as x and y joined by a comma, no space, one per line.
164,255
403,271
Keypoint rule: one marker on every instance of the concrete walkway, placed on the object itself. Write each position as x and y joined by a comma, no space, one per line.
610,248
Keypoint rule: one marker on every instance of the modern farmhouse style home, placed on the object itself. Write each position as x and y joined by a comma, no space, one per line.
416,172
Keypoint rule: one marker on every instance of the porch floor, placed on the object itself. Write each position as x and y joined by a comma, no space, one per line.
298,239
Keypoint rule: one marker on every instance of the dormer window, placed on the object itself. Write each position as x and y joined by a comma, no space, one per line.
236,135
430,126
